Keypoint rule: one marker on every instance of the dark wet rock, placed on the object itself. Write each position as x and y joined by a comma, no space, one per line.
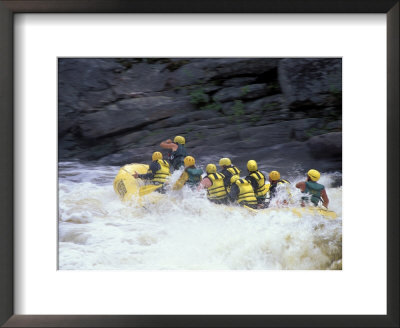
210,88
246,92
326,146
65,127
290,158
96,100
334,125
226,68
308,82
266,104
307,128
133,155
190,74
179,119
201,71
132,114
239,81
227,108
119,110
213,121
278,133
140,78
87,74
131,138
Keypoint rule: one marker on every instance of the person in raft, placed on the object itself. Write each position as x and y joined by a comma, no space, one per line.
228,170
275,181
315,191
177,151
214,183
191,176
242,193
158,171
257,181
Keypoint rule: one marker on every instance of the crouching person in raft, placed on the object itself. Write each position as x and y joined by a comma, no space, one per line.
242,193
191,176
257,181
228,170
315,191
214,183
275,181
158,172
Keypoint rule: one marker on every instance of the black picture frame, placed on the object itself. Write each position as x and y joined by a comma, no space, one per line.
10,7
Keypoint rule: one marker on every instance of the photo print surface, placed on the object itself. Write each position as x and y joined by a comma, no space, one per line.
200,163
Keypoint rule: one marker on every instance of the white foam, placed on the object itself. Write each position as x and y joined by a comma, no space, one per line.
184,230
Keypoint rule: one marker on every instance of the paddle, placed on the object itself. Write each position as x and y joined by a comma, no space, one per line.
252,210
148,189
126,171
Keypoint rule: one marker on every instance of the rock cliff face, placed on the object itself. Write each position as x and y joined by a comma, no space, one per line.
284,113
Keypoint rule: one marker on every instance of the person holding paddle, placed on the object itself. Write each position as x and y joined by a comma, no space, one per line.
257,181
158,172
275,183
228,170
177,151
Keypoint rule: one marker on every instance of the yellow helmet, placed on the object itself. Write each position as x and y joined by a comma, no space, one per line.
211,168
274,175
179,140
252,166
225,162
189,161
156,156
314,175
234,178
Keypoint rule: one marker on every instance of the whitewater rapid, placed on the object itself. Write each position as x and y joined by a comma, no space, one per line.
184,231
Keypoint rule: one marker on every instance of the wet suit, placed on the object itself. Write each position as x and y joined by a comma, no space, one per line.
194,176
176,157
191,176
314,191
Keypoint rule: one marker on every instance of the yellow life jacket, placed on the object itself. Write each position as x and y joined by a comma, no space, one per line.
162,174
246,192
261,190
217,189
234,170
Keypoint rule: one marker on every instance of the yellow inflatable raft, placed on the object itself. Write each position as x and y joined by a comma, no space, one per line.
298,211
125,185
302,211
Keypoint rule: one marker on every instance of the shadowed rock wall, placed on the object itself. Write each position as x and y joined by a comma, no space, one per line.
285,113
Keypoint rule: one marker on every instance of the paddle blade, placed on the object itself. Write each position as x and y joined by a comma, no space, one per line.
148,189
252,210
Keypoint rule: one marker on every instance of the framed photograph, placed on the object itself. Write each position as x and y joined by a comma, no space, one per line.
171,135
186,170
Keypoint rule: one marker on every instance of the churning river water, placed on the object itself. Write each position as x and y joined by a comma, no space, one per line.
184,230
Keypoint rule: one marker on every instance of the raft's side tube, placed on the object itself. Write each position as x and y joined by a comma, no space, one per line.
298,211
125,185
309,210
